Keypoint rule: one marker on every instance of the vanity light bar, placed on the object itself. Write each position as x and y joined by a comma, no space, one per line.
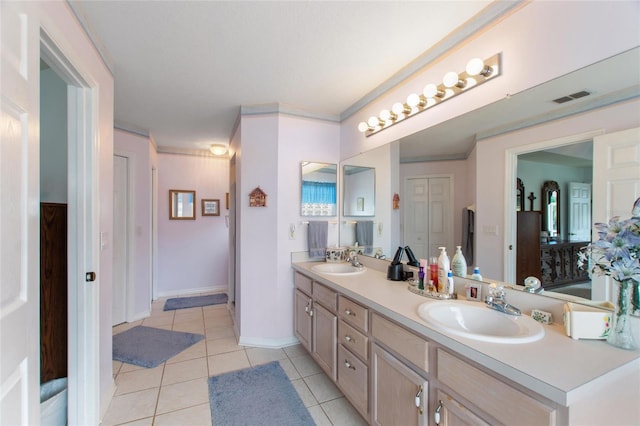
476,73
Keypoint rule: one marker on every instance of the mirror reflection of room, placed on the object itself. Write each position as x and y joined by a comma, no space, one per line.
318,197
556,221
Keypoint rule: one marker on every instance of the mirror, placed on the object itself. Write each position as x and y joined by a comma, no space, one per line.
182,204
318,189
359,191
438,148
551,209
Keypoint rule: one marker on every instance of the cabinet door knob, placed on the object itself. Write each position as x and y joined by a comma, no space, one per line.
349,338
348,364
436,414
418,400
349,312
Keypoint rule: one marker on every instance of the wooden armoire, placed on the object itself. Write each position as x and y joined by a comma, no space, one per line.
53,291
528,245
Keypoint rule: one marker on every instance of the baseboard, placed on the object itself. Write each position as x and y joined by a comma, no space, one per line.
139,316
191,291
259,342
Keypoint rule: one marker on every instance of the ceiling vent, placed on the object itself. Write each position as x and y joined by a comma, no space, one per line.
571,97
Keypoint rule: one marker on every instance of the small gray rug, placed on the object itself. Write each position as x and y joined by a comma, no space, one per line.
150,347
261,395
194,302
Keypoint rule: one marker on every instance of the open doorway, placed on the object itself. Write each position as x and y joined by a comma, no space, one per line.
564,274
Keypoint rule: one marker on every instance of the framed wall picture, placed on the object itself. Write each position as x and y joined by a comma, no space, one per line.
210,207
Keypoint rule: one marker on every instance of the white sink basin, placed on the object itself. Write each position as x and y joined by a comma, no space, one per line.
476,321
338,269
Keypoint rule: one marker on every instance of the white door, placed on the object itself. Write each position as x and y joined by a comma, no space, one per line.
428,221
19,220
579,211
120,239
616,184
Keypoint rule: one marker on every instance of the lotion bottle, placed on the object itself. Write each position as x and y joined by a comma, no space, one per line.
449,282
476,274
443,268
459,263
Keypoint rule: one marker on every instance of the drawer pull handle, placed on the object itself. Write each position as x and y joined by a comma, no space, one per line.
348,365
436,414
349,339
418,400
349,312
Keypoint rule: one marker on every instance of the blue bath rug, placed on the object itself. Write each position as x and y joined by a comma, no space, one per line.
261,395
150,347
194,302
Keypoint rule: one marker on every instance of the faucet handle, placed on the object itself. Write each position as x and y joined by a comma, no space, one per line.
496,292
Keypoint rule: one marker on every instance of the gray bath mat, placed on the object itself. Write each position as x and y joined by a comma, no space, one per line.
194,302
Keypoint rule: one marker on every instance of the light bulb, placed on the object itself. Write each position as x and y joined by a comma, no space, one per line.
413,100
475,66
387,115
399,108
363,127
450,79
430,90
373,121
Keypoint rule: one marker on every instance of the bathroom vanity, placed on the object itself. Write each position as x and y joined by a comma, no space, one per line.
395,368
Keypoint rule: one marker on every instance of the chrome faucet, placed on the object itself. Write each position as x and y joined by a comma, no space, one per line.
353,258
496,300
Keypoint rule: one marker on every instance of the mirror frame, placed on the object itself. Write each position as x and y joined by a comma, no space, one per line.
547,188
174,194
360,201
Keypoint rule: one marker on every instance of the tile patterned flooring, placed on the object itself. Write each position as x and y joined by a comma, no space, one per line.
176,392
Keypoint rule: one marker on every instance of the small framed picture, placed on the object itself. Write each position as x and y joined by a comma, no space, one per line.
474,292
210,207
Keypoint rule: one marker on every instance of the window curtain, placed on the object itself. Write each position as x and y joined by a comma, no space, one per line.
318,192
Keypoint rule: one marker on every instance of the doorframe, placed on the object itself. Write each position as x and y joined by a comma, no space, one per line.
83,237
511,171
130,240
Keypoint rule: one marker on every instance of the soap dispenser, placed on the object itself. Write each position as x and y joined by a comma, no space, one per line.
459,263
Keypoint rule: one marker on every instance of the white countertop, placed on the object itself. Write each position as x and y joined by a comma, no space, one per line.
557,367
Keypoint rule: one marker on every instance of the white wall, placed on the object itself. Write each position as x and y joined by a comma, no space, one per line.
491,156
269,154
53,138
540,41
192,254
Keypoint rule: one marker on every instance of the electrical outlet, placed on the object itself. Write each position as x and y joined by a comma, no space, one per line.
292,231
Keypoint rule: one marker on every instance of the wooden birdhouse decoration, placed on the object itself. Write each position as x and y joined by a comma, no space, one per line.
257,198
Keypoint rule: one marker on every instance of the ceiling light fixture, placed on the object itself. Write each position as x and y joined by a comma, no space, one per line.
477,72
218,149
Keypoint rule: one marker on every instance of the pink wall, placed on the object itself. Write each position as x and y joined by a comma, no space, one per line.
192,254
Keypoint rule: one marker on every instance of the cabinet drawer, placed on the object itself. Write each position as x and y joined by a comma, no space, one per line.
353,380
353,313
325,296
402,341
302,282
494,397
353,339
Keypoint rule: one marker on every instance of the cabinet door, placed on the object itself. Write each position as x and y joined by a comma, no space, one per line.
302,318
450,412
399,393
324,339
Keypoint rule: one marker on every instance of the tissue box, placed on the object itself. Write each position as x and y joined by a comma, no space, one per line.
586,322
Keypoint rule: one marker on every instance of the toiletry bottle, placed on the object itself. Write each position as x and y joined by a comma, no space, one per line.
459,263
433,272
443,268
421,278
449,282
476,274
